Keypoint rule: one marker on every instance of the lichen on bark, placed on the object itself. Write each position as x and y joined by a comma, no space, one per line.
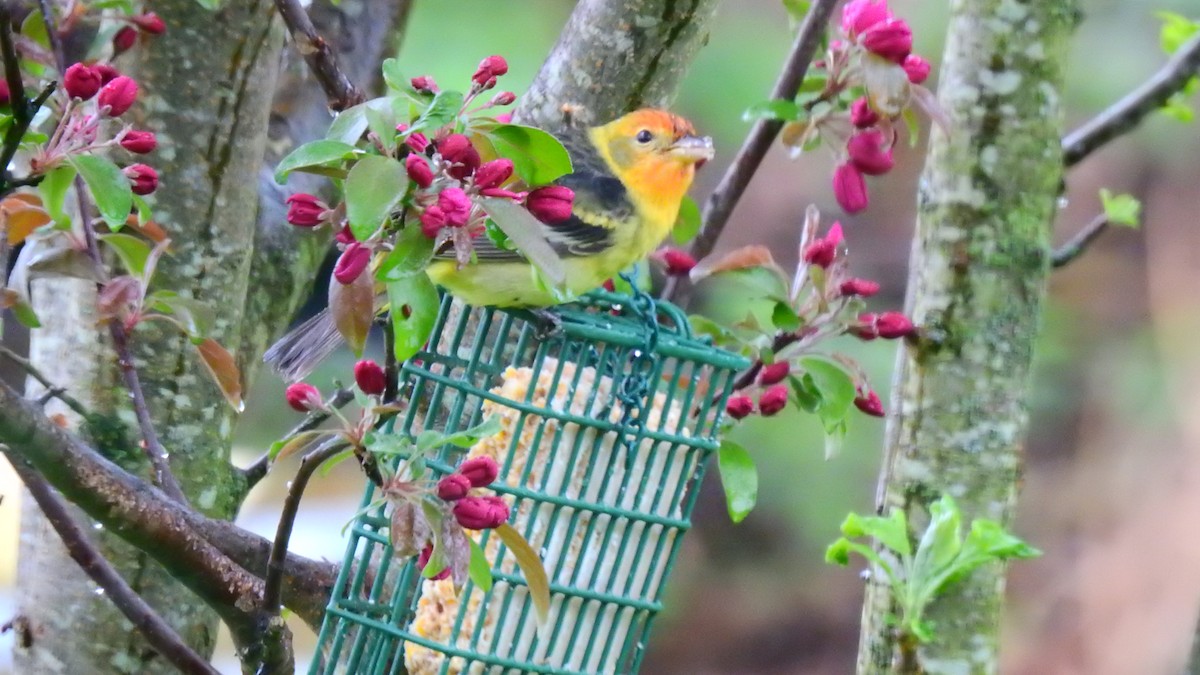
977,280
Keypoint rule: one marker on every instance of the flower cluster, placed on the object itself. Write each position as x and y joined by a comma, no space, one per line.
448,180
140,24
474,512
98,94
827,302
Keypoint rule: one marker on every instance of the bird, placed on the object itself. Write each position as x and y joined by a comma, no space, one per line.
629,177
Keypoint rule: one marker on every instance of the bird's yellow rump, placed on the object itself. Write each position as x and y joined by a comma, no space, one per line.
629,179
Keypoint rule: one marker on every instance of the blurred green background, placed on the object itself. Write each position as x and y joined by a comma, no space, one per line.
1112,477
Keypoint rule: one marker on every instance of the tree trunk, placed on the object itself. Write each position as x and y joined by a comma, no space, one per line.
978,276
207,86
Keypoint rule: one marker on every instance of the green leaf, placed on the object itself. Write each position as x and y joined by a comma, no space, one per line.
53,189
538,158
527,233
1177,29
132,251
913,125
285,447
1120,209
479,569
350,124
835,385
807,394
409,256
373,188
775,109
1177,108
531,566
497,236
739,478
315,153
393,77
891,531
416,297
687,223
469,437
941,541
212,5
796,9
109,187
194,316
381,121
12,301
441,111
784,317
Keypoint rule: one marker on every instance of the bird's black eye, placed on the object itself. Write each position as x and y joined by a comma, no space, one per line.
644,136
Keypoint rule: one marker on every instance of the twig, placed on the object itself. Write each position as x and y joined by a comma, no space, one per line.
1122,116
52,34
258,470
1076,245
157,632
56,391
339,90
721,202
23,110
391,367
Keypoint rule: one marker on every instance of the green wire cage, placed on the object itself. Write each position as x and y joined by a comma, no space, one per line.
606,431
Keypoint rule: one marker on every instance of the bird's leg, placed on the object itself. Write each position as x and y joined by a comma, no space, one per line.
547,324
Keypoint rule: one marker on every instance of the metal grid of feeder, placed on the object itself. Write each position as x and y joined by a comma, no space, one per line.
607,427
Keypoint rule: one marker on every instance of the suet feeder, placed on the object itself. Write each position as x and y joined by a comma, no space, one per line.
607,427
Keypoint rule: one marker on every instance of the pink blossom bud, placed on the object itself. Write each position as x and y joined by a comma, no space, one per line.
504,98
891,39
107,72
305,210
823,251
866,152
773,400
506,118
551,204
144,178
480,513
869,403
678,263
917,68
117,96
345,235
850,188
124,40
464,158
860,15
351,264
493,173
417,142
303,397
81,82
864,327
489,69
739,407
369,377
893,325
502,193
5,94
862,288
610,286
423,560
139,142
456,205
453,487
149,23
862,115
481,471
774,373
432,221
424,83
418,170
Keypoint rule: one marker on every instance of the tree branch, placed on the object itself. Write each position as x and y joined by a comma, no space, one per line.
52,389
258,470
1124,115
338,88
51,25
1077,244
724,198
23,110
157,632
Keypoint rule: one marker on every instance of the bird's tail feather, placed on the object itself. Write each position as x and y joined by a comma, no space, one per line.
297,354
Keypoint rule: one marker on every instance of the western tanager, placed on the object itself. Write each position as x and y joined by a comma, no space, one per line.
629,178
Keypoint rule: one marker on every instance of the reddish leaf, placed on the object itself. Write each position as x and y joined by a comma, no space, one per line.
737,259
21,214
119,297
224,370
353,309
294,444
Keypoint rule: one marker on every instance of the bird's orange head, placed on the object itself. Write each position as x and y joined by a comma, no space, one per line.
655,154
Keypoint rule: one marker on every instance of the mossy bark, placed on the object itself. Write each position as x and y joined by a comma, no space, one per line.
207,87
978,275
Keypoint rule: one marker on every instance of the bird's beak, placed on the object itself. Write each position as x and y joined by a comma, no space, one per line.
696,149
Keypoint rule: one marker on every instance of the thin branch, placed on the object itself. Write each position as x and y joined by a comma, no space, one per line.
724,198
258,470
158,633
1127,113
339,90
1076,245
56,391
23,110
52,34
273,583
